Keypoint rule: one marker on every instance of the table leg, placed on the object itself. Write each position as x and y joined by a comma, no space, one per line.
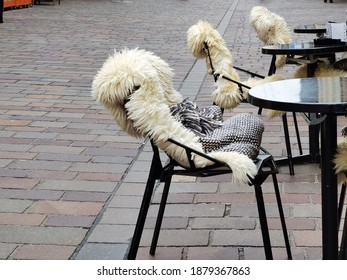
272,69
329,189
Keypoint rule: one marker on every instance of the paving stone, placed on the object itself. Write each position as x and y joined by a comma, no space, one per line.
100,251
57,149
66,207
225,198
86,196
43,252
307,210
176,198
99,167
6,250
52,175
308,238
13,122
41,235
70,221
17,183
168,222
161,253
40,165
21,219
190,210
68,185
14,205
213,253
223,223
177,238
126,189
107,177
244,238
37,135
17,155
116,216
125,201
189,187
111,234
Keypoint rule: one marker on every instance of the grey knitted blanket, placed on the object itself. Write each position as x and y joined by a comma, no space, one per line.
241,133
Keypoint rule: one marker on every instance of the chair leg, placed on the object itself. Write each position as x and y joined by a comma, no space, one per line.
341,201
160,216
281,213
297,133
263,221
141,219
287,140
154,174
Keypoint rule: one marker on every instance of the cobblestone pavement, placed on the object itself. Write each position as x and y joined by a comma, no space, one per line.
71,181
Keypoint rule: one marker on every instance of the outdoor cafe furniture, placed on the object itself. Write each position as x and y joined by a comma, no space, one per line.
326,97
305,53
308,53
136,87
314,28
205,42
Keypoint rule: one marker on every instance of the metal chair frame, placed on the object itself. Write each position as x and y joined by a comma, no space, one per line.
265,166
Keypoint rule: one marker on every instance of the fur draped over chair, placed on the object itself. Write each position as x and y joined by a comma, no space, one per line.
271,29
227,93
136,87
322,70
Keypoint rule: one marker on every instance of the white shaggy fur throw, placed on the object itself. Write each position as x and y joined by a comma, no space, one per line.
136,87
227,94
340,160
271,29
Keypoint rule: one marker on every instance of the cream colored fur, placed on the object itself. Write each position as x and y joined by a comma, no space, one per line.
340,160
136,87
322,70
271,29
227,94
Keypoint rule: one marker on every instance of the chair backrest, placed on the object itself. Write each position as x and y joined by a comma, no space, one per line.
271,29
205,42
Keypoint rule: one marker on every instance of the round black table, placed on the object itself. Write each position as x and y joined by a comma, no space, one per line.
311,29
326,97
309,52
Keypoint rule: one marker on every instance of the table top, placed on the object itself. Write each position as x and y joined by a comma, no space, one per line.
310,95
308,48
310,28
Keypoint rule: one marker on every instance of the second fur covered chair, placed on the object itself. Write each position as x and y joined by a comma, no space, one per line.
204,41
271,29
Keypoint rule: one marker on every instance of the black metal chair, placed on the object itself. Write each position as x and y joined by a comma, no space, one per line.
265,166
243,87
143,102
